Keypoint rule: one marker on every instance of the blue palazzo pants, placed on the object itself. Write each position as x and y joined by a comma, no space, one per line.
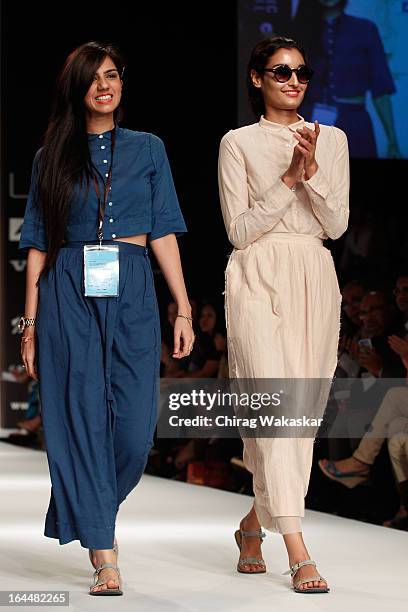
98,362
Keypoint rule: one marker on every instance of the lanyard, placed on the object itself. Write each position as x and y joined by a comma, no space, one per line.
101,210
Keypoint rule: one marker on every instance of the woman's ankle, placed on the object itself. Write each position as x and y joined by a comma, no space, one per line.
297,557
250,522
103,555
297,553
360,462
295,547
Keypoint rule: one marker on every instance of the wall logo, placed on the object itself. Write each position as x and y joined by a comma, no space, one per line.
18,265
18,405
15,224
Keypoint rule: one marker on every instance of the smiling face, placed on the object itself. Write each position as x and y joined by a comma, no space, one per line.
281,96
104,95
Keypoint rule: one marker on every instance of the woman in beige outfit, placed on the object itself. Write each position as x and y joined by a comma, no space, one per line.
284,188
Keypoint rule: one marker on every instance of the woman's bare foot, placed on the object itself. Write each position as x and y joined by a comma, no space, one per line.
297,551
250,545
351,464
108,575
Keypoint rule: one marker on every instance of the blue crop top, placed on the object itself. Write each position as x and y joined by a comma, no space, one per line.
142,198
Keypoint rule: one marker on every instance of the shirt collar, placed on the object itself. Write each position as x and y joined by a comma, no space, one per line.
272,126
106,135
331,20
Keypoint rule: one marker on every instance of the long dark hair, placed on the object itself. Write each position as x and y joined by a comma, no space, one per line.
64,159
259,58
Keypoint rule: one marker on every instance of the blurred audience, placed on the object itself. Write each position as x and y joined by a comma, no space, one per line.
365,358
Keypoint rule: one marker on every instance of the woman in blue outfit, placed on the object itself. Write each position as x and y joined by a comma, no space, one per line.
91,334
348,56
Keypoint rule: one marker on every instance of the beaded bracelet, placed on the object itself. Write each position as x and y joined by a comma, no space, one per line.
190,319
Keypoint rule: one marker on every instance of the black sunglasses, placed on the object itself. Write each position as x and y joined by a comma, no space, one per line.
283,73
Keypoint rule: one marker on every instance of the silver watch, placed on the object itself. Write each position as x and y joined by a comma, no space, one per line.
25,322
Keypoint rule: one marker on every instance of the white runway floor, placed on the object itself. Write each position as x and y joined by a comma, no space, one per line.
177,552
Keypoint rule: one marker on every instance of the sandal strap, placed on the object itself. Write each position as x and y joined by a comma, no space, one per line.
294,568
331,468
258,533
105,566
252,560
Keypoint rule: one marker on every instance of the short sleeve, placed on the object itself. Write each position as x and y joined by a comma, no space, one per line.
167,217
381,81
33,230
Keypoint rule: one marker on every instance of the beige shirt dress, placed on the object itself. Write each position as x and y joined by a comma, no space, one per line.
282,297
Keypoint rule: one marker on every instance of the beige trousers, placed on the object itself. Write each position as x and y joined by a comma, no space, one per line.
282,308
398,449
391,423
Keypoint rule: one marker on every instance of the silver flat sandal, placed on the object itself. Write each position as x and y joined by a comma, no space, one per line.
108,590
249,560
292,571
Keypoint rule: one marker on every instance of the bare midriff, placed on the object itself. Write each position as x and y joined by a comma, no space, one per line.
137,239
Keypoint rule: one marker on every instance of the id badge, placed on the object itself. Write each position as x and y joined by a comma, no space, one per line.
326,114
101,270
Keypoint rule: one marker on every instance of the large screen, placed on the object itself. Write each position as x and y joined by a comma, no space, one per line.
359,52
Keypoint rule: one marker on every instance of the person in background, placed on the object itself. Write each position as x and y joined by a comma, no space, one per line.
349,59
352,295
400,292
391,424
371,351
32,422
221,346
